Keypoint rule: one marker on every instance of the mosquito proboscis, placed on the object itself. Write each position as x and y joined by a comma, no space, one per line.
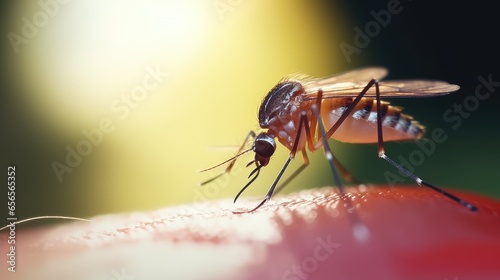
305,113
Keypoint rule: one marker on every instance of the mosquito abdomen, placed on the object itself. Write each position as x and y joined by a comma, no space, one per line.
361,124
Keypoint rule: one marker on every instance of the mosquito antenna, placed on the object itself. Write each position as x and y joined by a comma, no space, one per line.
257,169
45,217
232,159
226,161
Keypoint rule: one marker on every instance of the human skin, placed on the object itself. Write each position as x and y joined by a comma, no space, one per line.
372,232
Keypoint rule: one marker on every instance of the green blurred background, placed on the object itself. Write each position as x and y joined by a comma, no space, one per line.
81,61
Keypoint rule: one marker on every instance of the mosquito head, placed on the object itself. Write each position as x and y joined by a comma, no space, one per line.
264,147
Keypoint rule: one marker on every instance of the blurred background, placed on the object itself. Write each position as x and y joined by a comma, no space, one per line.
113,106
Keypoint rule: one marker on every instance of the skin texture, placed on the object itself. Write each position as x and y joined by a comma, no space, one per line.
372,232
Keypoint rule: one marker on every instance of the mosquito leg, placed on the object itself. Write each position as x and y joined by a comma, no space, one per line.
310,131
228,169
295,173
303,122
345,174
316,107
381,154
360,231
343,171
381,150
328,151
314,121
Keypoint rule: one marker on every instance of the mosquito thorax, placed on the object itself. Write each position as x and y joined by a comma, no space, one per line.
264,147
277,101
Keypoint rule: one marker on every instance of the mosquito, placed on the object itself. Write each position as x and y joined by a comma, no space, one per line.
297,111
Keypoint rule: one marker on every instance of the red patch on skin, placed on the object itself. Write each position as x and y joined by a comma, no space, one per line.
402,233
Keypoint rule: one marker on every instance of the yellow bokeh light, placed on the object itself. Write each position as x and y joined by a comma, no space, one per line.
88,65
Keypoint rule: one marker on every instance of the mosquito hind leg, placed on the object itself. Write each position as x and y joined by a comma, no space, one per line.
382,154
381,149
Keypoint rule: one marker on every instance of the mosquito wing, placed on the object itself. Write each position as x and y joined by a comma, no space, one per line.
350,84
363,75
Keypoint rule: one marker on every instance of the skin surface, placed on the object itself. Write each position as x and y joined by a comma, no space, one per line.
372,232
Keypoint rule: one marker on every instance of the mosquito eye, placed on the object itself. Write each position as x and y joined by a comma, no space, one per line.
264,146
